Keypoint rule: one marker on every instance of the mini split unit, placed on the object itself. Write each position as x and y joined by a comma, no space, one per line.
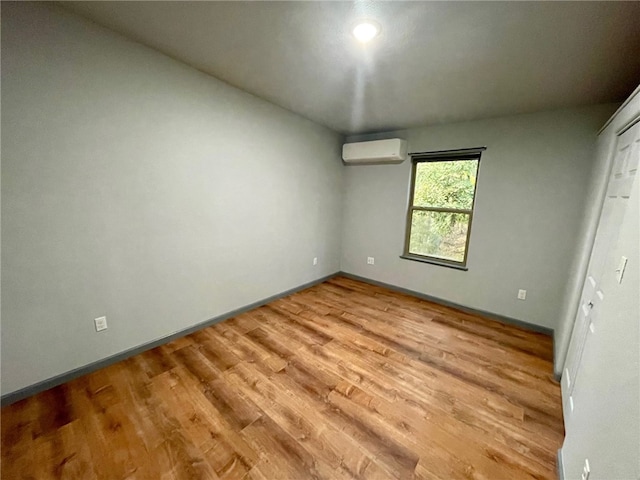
392,150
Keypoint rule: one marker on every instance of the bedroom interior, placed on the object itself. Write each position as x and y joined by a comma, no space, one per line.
233,246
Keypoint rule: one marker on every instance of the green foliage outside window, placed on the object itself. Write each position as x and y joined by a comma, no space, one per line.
445,184
448,185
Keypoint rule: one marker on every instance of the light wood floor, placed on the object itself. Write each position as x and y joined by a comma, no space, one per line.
343,380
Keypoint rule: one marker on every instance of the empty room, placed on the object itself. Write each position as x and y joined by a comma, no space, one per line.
320,240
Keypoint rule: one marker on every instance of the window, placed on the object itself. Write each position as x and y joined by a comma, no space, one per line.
443,187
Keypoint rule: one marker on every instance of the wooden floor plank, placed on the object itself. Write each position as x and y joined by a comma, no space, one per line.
343,380
288,404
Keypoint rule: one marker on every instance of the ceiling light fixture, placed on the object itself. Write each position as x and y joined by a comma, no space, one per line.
366,30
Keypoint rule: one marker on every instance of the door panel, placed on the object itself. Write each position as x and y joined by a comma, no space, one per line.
623,171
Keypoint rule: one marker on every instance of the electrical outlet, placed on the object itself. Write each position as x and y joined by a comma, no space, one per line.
370,260
315,260
101,323
522,294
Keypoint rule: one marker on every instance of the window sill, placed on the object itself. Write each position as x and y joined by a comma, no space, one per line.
434,262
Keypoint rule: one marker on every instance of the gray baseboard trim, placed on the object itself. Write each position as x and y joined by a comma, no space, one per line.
557,375
475,311
560,465
36,388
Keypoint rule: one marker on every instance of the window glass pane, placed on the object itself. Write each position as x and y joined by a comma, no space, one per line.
439,234
448,184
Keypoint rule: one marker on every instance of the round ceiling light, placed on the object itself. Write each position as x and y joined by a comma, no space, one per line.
366,30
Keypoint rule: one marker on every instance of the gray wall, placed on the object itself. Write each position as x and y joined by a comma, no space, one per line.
138,188
531,191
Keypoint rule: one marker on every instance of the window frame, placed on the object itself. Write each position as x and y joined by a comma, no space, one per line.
440,156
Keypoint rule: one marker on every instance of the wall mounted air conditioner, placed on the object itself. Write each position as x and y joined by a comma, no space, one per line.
392,150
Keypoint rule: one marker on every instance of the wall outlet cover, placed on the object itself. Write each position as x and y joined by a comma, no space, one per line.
101,323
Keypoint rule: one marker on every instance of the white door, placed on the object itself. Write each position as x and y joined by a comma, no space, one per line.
624,168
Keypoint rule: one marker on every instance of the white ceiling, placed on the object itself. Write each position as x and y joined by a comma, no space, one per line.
434,62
